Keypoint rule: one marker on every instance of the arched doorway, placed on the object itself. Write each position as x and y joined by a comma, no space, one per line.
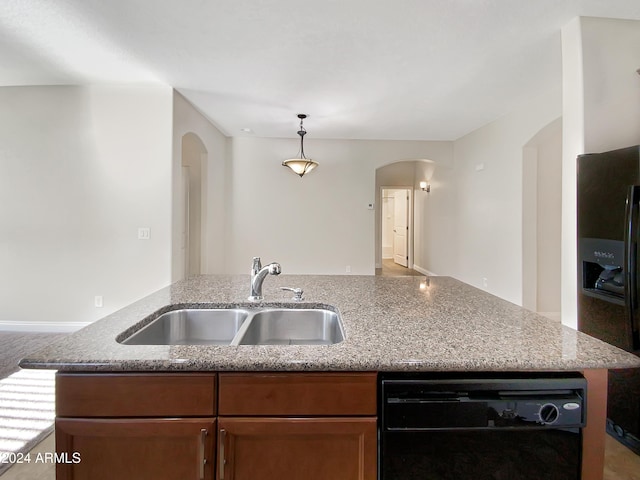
193,212
394,182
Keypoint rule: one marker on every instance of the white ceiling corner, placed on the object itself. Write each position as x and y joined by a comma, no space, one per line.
365,69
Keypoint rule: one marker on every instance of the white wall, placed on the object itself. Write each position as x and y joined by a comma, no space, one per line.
542,220
435,225
601,111
81,169
572,146
319,223
611,56
186,119
488,208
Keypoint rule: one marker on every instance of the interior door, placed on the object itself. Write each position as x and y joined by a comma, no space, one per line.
400,238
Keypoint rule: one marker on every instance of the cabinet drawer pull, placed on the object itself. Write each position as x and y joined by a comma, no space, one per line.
222,440
203,460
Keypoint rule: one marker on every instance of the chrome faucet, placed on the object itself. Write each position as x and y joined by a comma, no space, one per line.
258,274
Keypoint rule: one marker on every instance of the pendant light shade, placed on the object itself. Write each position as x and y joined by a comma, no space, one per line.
300,165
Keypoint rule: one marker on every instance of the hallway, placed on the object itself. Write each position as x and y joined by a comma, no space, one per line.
392,269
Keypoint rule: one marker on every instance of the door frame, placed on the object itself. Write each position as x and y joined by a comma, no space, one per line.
411,192
191,168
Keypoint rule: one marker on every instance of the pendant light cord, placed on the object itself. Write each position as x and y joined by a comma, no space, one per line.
302,133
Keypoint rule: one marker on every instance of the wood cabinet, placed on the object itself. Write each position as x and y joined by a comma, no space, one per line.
134,426
141,449
297,448
135,395
298,426
593,435
237,426
287,394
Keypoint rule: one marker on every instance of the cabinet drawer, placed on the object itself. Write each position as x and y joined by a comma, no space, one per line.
279,394
135,395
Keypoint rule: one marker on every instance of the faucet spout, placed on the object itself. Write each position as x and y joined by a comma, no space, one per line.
258,274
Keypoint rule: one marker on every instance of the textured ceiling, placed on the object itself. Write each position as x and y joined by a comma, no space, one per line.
366,69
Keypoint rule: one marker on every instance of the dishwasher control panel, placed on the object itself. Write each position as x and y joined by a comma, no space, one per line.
432,404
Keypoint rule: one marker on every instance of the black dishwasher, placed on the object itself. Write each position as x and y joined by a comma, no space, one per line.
435,427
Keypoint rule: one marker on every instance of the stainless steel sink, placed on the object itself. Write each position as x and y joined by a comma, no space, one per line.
241,326
191,326
293,327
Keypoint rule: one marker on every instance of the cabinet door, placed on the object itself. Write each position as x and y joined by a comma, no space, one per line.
135,449
297,449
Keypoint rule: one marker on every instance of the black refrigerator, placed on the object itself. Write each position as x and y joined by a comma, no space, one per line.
608,201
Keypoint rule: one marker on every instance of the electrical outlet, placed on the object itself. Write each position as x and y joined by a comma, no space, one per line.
144,233
348,268
485,282
97,301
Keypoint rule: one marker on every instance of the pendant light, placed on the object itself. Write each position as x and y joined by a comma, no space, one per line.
302,164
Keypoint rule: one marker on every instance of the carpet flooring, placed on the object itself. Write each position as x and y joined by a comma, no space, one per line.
16,345
27,397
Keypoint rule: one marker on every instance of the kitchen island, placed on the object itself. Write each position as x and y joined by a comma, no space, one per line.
113,397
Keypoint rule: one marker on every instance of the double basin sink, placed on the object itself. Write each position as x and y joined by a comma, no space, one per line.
241,326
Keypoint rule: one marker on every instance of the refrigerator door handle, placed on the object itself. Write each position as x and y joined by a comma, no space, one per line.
631,262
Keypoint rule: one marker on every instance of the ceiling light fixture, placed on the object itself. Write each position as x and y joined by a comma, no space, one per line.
302,164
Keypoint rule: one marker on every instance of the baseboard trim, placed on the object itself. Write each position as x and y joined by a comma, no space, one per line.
424,271
41,327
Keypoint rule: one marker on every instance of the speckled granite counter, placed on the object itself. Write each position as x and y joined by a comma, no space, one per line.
391,324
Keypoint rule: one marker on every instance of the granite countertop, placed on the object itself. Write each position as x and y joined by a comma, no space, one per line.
391,324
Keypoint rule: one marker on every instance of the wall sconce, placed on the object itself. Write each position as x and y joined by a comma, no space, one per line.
425,187
301,164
